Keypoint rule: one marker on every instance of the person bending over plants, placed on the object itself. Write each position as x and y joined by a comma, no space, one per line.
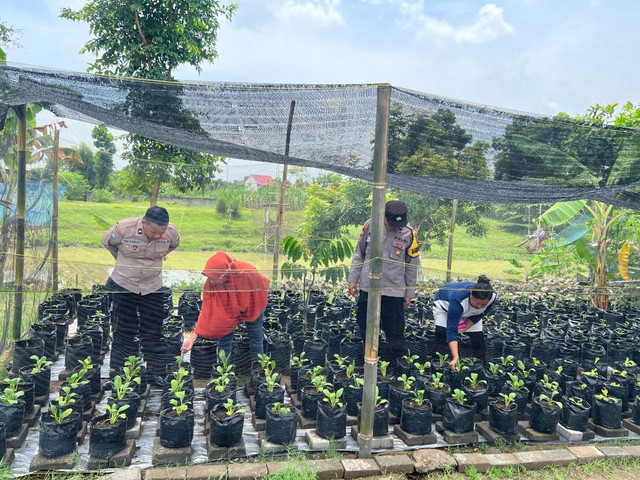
459,307
234,292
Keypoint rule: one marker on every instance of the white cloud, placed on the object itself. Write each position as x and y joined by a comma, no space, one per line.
324,13
488,25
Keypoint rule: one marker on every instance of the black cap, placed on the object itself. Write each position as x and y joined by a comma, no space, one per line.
157,215
396,214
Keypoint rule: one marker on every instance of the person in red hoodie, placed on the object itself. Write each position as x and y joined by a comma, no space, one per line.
234,292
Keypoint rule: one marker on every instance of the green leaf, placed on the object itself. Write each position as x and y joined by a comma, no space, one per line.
516,263
561,212
102,222
511,271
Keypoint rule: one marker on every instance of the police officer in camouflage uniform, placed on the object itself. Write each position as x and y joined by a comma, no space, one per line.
139,245
399,275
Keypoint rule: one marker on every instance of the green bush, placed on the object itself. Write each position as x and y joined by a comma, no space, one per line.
77,186
221,205
102,195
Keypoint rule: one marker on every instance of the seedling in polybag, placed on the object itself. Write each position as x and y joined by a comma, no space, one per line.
418,397
422,367
515,382
524,371
220,383
577,400
299,361
350,372
629,363
410,359
474,381
179,405
333,398
622,373
319,382
263,359
436,381
459,367
591,373
116,412
549,385
379,400
227,366
340,360
443,359
232,407
279,409
41,363
604,396
495,369
507,361
271,381
10,397
120,388
13,383
549,400
59,415
508,399
383,365
67,398
357,382
86,364
459,395
407,382
177,383
132,362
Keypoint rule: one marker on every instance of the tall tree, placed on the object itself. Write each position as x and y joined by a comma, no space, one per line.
103,158
150,39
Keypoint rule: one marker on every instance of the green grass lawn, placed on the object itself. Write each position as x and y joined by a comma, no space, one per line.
203,231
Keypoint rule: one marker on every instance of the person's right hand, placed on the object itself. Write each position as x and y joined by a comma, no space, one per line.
452,364
353,289
187,344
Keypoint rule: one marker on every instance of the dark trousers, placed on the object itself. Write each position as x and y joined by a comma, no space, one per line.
134,318
391,323
474,348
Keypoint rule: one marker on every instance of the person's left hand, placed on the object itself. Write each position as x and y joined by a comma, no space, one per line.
407,301
187,345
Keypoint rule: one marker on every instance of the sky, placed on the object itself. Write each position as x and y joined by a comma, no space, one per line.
536,56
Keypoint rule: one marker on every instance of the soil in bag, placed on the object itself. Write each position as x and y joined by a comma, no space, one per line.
105,439
176,431
458,418
544,418
55,439
416,419
12,416
203,356
22,352
264,397
575,417
224,430
281,429
607,414
331,422
504,421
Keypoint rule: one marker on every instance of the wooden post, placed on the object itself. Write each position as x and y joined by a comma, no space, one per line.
283,189
365,436
454,211
21,113
54,215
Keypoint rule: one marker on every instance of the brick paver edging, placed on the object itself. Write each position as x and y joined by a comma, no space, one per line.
418,461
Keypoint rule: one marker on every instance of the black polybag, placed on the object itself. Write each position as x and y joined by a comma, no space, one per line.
56,440
203,356
352,396
3,441
315,351
264,397
106,440
414,420
480,398
396,396
504,421
309,402
607,414
458,418
281,429
635,412
354,350
27,388
176,432
46,332
544,418
575,417
77,349
331,422
225,432
23,350
133,400
12,416
215,398
41,380
380,420
438,398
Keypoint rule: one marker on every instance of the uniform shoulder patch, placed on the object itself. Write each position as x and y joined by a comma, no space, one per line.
414,248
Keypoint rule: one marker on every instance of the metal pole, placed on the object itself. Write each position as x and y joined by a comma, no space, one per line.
21,113
365,436
54,215
283,189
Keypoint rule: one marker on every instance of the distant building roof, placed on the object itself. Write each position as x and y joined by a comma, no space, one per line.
261,180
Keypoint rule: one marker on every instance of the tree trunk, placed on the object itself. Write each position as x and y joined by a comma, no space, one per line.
451,232
153,198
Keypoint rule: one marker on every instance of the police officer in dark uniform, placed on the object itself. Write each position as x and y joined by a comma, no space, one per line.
399,275
139,245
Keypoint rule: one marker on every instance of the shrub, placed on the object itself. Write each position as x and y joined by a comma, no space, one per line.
102,195
76,185
221,205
